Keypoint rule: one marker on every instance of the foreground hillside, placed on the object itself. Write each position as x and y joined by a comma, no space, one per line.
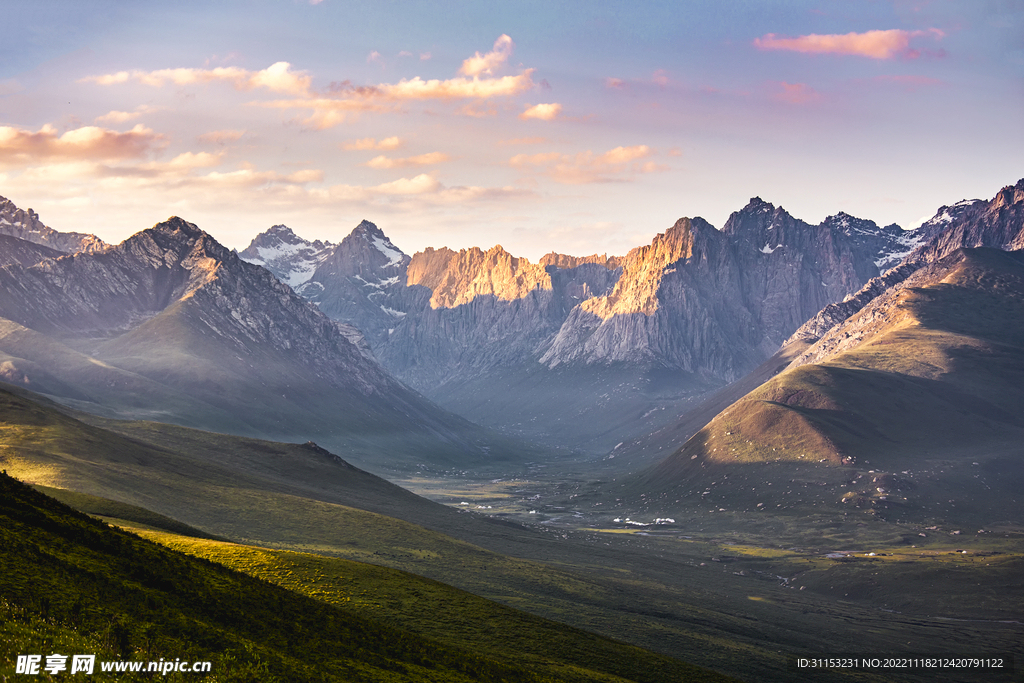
70,582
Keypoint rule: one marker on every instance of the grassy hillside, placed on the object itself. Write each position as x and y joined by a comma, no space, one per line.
68,581
443,613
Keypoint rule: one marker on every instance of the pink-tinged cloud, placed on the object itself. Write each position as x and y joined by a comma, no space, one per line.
393,142
125,116
542,112
457,88
615,83
587,167
326,112
86,143
406,186
873,44
277,77
795,93
429,159
489,63
660,77
220,137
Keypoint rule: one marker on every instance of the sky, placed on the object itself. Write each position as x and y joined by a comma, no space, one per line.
541,126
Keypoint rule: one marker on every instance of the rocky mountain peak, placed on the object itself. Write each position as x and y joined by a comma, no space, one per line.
637,289
367,245
368,229
565,261
456,278
27,226
175,242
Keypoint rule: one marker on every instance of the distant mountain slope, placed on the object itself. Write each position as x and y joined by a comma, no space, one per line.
171,325
14,250
924,387
997,223
27,226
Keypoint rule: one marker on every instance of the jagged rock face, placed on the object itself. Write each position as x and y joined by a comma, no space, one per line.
27,226
970,223
22,252
290,258
458,278
997,223
889,244
358,281
567,261
439,343
719,303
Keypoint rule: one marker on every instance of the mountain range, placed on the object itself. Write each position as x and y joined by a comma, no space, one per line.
170,325
915,379
526,346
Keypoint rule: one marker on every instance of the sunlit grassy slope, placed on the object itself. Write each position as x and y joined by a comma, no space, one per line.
446,614
68,581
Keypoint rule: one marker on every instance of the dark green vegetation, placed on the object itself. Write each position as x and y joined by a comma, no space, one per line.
445,614
71,581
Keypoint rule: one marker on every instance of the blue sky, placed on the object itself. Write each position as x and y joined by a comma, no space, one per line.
575,127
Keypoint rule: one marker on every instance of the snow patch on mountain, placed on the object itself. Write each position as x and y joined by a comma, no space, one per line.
385,247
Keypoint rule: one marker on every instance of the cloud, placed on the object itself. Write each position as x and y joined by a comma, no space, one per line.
542,112
874,44
393,142
406,186
457,88
277,77
660,77
424,56
796,93
487,64
220,137
383,162
615,83
374,57
587,167
125,116
326,112
89,142
333,106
